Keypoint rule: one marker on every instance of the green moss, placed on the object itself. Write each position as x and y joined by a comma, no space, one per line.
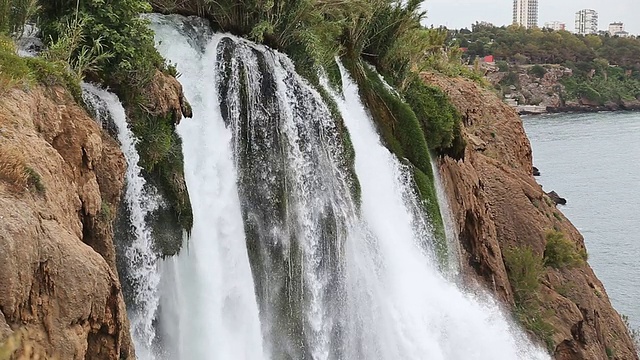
402,134
52,73
534,321
106,213
439,119
425,187
160,150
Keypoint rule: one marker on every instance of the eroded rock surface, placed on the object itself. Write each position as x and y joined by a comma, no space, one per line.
498,204
58,196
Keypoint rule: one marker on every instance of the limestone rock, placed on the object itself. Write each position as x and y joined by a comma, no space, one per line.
498,204
58,281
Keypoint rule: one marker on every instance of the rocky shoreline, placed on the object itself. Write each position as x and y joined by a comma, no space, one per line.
577,108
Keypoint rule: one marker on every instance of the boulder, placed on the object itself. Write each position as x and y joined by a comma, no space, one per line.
556,198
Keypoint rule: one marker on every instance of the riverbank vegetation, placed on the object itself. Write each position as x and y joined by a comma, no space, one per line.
604,69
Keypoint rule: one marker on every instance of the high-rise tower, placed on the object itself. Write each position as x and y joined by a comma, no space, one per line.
586,22
525,13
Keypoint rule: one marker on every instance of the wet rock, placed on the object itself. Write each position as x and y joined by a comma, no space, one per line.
556,198
536,171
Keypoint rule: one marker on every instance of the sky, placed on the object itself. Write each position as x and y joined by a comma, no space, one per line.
457,14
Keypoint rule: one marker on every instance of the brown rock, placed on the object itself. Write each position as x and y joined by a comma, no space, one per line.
58,281
165,96
498,204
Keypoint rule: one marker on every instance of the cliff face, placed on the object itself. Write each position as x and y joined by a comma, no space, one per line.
61,178
499,206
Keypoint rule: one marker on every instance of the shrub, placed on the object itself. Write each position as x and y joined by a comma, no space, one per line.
524,269
439,119
560,252
503,66
14,14
537,71
117,28
511,78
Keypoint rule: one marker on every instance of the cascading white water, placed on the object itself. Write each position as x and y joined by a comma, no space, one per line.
208,306
140,200
281,263
418,314
450,229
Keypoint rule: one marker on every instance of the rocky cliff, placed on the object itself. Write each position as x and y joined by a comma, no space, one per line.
499,207
61,178
541,93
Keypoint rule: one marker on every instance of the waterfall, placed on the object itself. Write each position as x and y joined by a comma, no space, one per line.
287,259
208,308
428,317
450,228
140,201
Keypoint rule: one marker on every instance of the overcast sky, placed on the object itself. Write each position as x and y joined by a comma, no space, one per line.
462,13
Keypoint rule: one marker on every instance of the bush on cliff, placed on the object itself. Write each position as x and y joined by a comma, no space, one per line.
524,269
439,118
111,44
561,253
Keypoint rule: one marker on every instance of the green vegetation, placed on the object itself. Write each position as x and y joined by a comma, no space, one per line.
524,269
115,27
561,253
403,135
538,71
605,69
440,120
14,14
107,43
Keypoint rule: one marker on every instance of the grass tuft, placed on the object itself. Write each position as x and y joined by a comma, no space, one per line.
12,167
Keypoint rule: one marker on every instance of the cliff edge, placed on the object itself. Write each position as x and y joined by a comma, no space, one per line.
61,178
500,211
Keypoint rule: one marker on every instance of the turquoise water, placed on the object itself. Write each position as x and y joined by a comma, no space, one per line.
593,160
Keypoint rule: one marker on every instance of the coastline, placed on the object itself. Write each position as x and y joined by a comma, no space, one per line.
576,109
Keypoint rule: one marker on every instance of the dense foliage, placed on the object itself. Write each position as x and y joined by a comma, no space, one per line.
605,69
117,27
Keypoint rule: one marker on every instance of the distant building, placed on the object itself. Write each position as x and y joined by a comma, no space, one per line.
617,29
525,13
555,25
587,22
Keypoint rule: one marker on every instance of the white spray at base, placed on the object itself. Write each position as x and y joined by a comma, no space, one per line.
427,315
141,258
